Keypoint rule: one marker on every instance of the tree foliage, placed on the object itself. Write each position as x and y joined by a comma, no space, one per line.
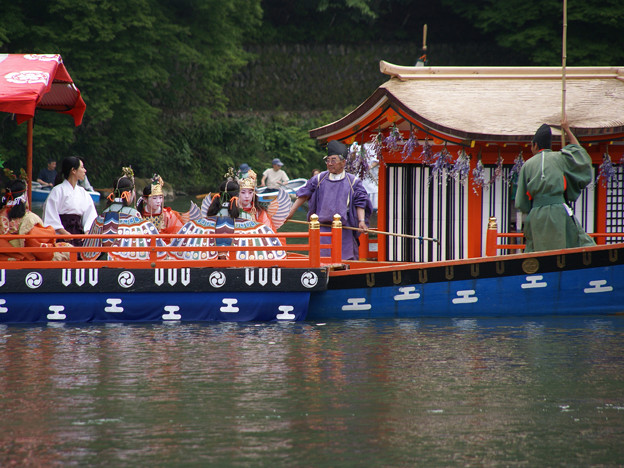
139,64
535,28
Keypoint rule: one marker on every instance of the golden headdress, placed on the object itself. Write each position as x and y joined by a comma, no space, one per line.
248,182
156,185
230,174
128,172
124,185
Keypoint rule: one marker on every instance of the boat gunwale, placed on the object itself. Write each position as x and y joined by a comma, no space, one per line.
366,267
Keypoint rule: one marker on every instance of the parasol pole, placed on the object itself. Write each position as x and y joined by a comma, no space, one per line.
29,157
563,68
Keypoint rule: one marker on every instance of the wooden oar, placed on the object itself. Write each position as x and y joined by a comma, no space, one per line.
409,236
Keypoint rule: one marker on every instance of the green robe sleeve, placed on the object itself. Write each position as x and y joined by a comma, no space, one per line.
577,168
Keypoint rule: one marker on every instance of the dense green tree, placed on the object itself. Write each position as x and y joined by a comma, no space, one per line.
355,21
535,28
139,63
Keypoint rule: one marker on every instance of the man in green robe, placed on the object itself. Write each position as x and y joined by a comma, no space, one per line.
547,183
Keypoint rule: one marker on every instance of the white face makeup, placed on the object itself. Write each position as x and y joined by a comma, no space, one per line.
246,197
154,204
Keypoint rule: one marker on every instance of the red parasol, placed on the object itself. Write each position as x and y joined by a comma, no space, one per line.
37,81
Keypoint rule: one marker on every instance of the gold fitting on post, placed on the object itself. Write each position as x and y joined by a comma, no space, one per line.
492,223
336,223
314,222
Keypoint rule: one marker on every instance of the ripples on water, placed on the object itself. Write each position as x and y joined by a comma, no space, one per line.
352,393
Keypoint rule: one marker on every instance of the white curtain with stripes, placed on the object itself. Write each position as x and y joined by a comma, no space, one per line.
426,206
422,205
615,205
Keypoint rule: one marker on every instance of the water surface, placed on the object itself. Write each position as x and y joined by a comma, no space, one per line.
498,392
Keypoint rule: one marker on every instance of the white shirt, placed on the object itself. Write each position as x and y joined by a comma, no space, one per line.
273,178
65,199
340,176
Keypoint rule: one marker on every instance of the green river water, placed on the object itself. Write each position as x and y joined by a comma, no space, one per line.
546,392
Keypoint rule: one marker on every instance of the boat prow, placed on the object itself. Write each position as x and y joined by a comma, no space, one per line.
266,195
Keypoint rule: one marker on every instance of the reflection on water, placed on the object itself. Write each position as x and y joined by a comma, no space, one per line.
380,393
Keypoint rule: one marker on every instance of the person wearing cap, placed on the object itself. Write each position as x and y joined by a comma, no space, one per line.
243,171
335,191
166,220
547,184
274,177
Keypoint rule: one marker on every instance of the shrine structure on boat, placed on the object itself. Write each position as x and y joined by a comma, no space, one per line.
451,139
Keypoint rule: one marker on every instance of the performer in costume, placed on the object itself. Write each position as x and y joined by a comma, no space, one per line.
166,220
225,203
336,191
224,216
547,183
275,213
16,218
69,209
121,218
122,198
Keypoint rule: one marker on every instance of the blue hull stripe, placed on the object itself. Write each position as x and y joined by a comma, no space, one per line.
576,292
153,307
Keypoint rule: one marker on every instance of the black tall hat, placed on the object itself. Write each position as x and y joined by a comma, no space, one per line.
336,147
543,137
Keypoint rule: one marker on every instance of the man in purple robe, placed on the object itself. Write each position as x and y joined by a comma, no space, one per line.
335,191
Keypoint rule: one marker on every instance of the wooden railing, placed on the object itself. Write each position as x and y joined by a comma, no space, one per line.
492,237
310,258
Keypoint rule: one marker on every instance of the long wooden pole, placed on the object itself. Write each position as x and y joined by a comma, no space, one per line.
29,157
563,68
409,236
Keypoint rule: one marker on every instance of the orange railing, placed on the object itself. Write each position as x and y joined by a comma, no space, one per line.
299,255
492,246
368,247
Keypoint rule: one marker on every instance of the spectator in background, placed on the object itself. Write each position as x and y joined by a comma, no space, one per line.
47,174
274,177
243,171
